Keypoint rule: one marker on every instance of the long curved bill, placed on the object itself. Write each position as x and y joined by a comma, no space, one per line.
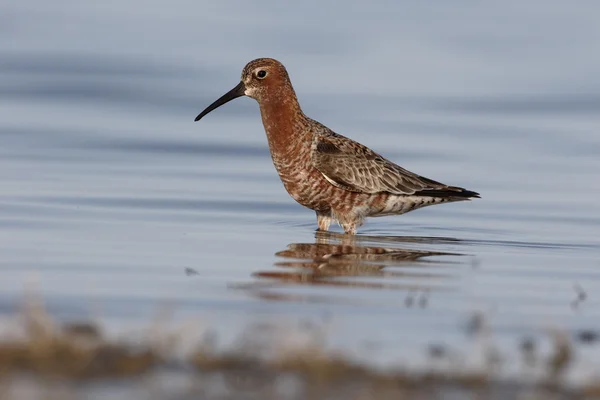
234,93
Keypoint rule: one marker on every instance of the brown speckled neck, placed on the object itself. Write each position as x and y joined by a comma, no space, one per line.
285,123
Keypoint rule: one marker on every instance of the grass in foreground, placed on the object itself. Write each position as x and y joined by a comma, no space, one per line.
82,358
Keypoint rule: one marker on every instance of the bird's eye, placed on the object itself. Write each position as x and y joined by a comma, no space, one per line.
261,74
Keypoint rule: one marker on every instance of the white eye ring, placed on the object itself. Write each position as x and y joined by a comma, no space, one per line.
261,74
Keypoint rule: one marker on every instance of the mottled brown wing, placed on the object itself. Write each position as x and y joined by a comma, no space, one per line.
352,166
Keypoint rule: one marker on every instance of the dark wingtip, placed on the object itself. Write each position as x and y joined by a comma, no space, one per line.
450,191
470,194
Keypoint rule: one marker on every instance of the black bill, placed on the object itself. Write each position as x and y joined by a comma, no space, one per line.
234,93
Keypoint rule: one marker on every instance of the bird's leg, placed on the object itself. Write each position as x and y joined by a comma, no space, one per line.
323,220
349,220
349,228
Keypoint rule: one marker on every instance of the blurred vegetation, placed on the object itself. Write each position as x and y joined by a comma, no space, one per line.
44,359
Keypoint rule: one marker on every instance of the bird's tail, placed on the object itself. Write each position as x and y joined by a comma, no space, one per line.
450,192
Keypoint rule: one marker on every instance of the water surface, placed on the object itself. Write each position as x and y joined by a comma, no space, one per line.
114,202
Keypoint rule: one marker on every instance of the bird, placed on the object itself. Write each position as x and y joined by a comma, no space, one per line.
337,177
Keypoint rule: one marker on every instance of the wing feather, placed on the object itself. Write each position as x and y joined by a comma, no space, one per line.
351,166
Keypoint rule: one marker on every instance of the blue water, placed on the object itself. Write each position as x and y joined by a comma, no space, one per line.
110,191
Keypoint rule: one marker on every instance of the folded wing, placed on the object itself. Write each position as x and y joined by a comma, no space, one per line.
352,166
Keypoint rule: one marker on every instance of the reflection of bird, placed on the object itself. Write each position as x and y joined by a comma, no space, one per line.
342,261
335,176
347,258
328,257
321,263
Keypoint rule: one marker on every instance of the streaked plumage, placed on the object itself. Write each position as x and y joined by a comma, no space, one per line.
337,177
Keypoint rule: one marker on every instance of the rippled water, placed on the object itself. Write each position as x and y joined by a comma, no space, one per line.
114,202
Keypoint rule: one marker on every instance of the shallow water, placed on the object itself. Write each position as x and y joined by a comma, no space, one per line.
114,202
